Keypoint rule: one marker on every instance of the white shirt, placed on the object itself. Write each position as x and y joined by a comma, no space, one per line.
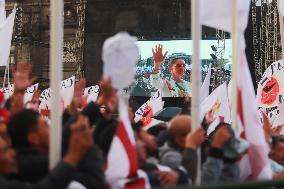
170,88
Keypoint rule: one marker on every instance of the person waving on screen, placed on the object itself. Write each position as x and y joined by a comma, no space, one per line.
175,86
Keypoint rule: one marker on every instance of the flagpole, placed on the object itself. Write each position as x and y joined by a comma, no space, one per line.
56,59
196,75
235,62
281,28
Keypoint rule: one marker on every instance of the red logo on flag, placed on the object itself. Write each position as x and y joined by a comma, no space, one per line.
147,116
270,92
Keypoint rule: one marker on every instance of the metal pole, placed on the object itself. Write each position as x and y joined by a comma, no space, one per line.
235,62
56,59
196,75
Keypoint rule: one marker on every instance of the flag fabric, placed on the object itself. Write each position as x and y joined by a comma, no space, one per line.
8,91
218,100
279,119
6,31
91,93
257,162
2,12
204,92
281,7
148,109
67,92
122,162
29,92
219,15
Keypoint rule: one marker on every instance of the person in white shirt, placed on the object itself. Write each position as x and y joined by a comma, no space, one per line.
176,86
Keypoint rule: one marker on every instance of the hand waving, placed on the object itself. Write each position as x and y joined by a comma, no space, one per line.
158,55
21,77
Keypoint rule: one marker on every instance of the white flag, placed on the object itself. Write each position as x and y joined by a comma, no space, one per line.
281,7
122,162
252,129
204,92
6,31
218,100
8,91
92,93
67,92
218,13
29,92
148,109
279,118
2,12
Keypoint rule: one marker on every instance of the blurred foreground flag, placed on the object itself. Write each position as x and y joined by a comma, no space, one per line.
2,12
122,170
255,164
281,7
6,31
218,13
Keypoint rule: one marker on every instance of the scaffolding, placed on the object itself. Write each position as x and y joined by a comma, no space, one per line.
81,11
266,35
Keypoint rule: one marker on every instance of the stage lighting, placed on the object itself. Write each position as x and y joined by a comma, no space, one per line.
213,56
213,48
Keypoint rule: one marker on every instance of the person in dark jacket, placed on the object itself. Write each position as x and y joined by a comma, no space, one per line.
216,168
29,133
80,149
100,114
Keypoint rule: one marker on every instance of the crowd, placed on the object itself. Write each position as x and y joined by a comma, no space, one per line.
167,154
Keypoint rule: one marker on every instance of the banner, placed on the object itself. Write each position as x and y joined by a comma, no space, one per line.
92,93
148,109
67,92
29,92
218,100
270,90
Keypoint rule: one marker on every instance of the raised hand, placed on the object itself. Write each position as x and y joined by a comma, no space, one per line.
158,56
195,138
79,92
267,127
81,141
168,178
77,97
107,97
221,137
21,77
210,116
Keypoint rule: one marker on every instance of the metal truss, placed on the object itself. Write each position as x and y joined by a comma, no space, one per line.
81,11
266,36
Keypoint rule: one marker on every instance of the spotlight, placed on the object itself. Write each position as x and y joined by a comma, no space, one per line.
213,56
213,48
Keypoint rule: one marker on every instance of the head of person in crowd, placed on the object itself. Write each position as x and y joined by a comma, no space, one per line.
177,68
8,164
28,129
148,140
277,149
178,129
